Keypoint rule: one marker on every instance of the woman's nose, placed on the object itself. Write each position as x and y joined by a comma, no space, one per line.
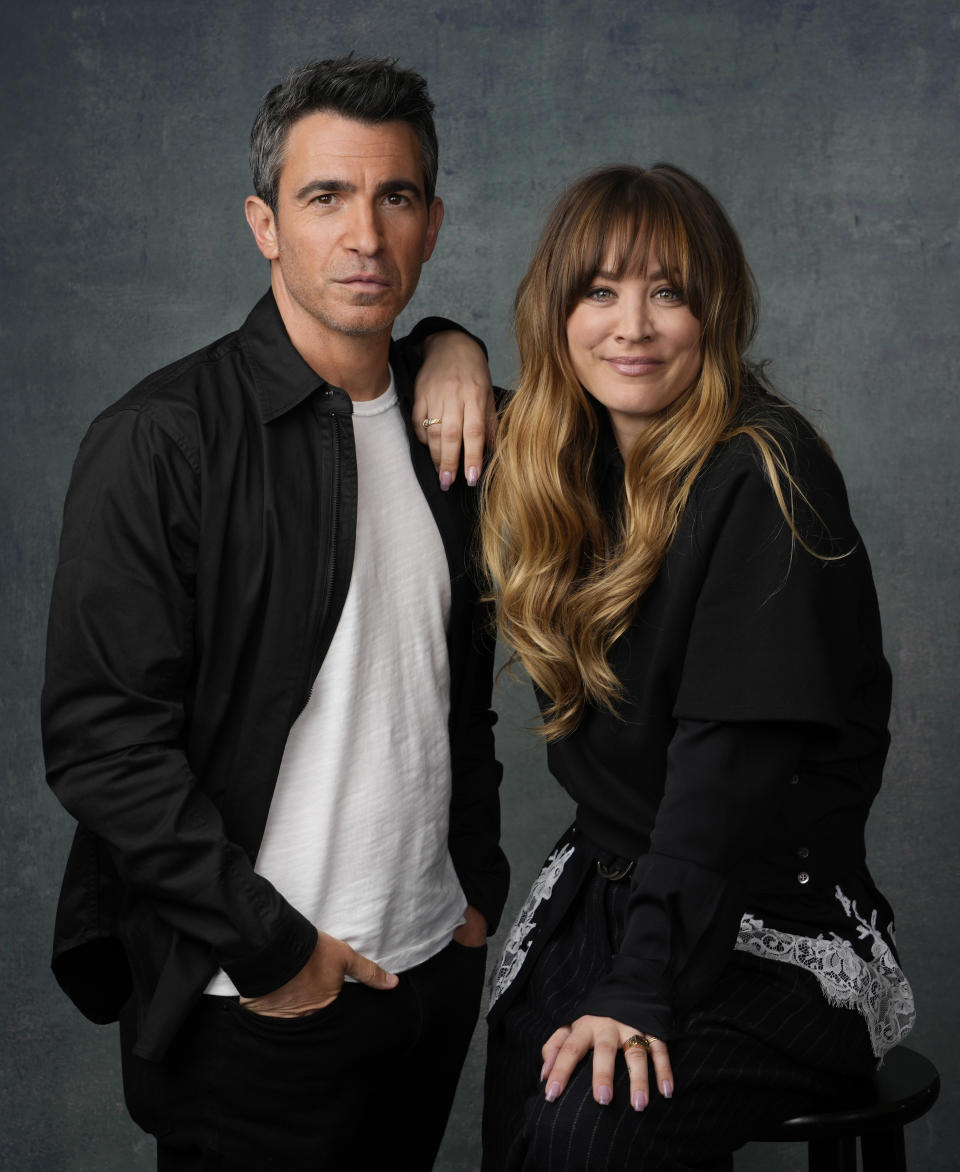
636,322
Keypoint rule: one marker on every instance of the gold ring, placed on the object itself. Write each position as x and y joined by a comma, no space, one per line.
640,1040
429,423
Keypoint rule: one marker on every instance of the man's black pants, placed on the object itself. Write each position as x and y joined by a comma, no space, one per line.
367,1082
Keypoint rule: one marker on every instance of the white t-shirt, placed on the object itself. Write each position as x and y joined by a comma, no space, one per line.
356,836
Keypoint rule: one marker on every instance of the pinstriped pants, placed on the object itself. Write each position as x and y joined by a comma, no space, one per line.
762,1046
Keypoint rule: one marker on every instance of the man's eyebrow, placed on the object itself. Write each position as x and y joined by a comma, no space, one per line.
332,185
341,186
407,185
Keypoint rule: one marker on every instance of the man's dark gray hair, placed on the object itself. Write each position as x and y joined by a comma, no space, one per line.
367,89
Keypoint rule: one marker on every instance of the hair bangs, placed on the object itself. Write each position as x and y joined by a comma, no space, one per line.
626,223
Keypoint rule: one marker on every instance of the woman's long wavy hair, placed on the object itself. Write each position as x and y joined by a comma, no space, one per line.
566,579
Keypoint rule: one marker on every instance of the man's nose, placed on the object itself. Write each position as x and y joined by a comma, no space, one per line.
363,230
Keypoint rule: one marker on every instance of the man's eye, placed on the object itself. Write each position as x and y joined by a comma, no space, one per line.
324,199
397,199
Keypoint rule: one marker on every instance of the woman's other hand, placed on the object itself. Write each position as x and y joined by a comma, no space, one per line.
453,386
606,1037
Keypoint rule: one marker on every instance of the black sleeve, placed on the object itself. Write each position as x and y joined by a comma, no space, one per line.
474,837
777,629
725,783
120,658
437,325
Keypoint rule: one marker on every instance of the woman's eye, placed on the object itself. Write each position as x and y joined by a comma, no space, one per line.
668,294
600,295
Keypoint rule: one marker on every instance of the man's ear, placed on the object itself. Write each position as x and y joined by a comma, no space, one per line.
263,225
434,220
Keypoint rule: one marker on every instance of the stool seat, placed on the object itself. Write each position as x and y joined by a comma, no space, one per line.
905,1087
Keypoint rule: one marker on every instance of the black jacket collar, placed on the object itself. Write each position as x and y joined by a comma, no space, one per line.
282,378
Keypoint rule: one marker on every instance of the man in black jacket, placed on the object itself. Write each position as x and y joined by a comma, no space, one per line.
263,617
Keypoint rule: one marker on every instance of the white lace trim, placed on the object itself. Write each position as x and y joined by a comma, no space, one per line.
514,954
877,988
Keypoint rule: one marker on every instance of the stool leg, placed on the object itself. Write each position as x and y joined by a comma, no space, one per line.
884,1151
832,1155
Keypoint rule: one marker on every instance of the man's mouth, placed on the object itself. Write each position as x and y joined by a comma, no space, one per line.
366,282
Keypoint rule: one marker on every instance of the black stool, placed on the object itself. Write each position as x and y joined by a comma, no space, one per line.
904,1088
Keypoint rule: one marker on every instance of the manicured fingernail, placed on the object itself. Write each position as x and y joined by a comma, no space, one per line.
543,1072
473,475
553,1090
639,1100
446,479
604,1095
666,1089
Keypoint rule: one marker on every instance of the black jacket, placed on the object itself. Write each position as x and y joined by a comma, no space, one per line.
751,736
205,557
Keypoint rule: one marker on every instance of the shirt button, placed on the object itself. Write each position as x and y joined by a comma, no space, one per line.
803,852
795,780
803,877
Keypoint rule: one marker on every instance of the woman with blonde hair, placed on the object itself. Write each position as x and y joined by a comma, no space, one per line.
674,562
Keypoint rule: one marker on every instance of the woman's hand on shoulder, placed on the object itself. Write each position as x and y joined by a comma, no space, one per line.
606,1037
454,401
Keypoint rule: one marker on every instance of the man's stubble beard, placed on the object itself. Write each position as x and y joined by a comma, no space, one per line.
339,322
358,331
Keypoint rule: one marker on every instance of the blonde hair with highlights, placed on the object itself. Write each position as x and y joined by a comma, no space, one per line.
567,583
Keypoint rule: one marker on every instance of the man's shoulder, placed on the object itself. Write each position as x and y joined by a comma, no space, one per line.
202,394
180,382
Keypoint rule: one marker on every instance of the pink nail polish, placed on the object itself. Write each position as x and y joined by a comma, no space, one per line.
445,481
543,1072
604,1095
553,1090
473,475
639,1100
666,1089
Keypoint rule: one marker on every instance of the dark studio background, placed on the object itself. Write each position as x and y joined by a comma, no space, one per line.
830,132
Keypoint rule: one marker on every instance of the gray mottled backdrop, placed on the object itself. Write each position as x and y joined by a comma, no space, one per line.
829,130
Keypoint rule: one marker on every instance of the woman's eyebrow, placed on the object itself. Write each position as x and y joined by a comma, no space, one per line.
604,275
